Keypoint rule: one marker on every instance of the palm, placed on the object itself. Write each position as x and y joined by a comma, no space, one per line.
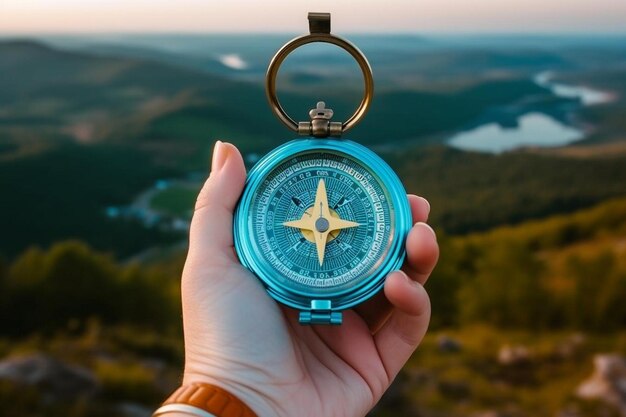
238,337
325,370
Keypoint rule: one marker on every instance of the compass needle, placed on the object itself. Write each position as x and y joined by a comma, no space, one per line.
321,200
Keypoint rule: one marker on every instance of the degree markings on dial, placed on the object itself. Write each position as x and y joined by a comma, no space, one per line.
297,244
343,245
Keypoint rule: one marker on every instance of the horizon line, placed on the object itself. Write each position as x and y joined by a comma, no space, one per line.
350,33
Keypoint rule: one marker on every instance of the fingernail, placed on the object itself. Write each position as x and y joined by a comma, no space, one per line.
427,204
220,155
429,228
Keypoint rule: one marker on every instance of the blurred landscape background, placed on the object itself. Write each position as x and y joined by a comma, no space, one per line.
517,140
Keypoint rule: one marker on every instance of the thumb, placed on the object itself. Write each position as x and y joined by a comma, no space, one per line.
211,232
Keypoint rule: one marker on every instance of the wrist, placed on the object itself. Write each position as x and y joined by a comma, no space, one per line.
251,397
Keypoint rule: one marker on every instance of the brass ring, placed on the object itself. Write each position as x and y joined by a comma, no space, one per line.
289,47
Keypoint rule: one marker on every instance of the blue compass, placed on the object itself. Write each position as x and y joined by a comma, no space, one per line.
322,220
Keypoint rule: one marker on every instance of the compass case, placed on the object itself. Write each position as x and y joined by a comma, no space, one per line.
318,303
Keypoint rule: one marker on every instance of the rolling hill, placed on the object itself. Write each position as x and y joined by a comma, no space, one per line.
63,114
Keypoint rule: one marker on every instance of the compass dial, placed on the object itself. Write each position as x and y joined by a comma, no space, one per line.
323,220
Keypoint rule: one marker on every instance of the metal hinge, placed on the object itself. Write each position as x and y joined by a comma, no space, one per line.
320,313
320,125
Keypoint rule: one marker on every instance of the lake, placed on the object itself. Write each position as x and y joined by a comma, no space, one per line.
533,128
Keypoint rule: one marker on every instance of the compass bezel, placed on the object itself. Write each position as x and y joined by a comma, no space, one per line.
247,252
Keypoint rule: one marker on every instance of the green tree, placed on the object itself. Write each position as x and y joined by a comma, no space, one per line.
70,283
78,284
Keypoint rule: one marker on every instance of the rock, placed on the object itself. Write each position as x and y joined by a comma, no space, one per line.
514,355
607,383
53,378
448,344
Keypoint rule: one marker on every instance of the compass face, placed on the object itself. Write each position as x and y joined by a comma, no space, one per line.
296,235
321,223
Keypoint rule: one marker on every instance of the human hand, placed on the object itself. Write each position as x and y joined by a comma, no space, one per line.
239,338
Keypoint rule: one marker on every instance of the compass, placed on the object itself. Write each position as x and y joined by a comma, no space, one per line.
322,220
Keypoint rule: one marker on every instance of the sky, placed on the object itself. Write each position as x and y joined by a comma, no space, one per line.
289,16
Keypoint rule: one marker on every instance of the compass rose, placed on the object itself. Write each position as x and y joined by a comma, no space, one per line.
320,221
